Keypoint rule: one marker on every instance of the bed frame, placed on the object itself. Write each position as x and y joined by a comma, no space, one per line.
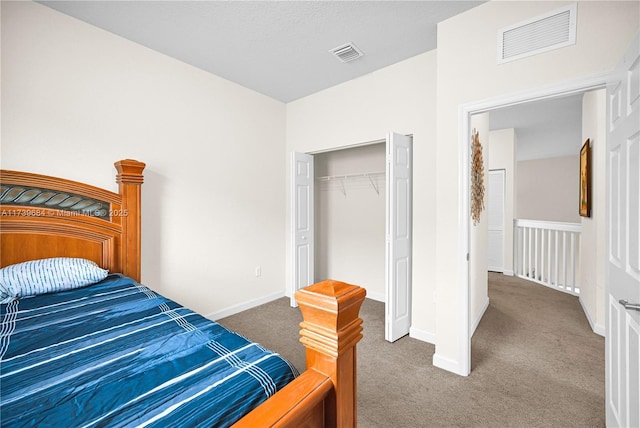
44,216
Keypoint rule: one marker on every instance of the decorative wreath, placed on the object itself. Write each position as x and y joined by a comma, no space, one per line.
477,177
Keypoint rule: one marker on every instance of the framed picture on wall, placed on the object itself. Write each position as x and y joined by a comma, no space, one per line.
585,180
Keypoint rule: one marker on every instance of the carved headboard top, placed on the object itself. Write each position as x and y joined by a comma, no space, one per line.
44,216
30,197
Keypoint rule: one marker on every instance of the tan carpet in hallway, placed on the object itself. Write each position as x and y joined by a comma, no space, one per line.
535,363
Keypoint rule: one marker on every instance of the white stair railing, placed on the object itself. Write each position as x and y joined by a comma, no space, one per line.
548,253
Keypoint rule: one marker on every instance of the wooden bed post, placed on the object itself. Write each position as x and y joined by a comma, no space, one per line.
325,394
129,180
330,331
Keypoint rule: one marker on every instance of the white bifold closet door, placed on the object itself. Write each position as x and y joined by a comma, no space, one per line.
398,232
302,239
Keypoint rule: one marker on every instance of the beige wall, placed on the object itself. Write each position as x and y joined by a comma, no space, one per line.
399,98
468,73
592,238
502,147
547,189
76,98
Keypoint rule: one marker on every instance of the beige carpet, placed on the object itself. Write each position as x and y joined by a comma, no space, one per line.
535,363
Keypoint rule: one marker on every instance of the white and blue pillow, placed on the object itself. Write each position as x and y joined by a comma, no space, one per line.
47,276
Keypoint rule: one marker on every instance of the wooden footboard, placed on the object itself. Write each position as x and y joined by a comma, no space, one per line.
325,394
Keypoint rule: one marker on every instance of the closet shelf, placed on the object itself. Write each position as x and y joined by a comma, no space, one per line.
342,178
347,176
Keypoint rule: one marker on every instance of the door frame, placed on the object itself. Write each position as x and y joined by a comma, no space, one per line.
465,111
292,286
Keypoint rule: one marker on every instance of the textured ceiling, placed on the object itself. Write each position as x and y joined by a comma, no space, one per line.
278,48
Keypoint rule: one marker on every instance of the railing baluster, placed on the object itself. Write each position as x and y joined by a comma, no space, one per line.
543,232
573,263
524,251
538,251
535,255
556,256
516,247
564,259
549,256
529,253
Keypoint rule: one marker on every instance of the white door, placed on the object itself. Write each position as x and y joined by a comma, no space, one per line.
301,221
495,220
398,233
623,243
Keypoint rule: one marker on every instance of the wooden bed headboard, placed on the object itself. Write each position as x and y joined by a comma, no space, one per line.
43,216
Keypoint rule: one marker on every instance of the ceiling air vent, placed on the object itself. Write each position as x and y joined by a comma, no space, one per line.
553,30
347,52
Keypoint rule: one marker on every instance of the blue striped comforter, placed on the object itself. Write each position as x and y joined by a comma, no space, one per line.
118,354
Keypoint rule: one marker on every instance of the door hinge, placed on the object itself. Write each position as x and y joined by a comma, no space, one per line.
467,256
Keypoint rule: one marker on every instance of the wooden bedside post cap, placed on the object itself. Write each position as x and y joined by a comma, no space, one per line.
331,288
331,304
129,171
330,310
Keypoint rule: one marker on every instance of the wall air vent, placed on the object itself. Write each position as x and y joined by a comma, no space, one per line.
552,30
347,52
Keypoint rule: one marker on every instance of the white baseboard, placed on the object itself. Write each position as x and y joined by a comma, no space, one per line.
508,272
597,329
422,335
479,317
448,365
232,310
378,297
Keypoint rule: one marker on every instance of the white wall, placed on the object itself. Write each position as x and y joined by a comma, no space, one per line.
468,72
502,146
547,189
350,218
399,98
479,237
592,238
75,99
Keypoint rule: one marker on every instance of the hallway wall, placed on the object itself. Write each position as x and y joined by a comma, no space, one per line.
547,189
593,237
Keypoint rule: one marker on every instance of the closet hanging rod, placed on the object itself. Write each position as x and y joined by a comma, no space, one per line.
345,176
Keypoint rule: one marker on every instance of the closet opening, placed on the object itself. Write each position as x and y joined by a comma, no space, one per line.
352,221
350,199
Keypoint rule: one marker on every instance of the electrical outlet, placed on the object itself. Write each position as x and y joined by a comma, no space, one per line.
258,271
